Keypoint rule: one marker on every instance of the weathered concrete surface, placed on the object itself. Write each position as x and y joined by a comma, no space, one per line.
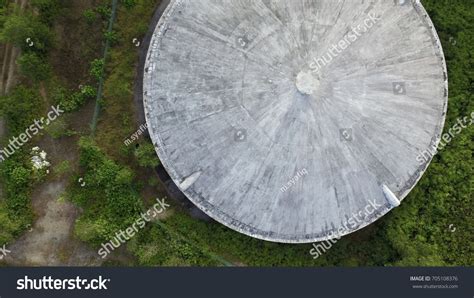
236,119
138,86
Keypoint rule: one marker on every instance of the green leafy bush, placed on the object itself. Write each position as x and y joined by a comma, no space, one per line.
109,197
26,32
34,67
104,11
15,210
97,69
72,102
112,37
146,155
48,10
58,129
129,3
90,16
20,108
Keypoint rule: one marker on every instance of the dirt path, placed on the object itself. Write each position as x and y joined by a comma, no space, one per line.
5,64
49,242
9,67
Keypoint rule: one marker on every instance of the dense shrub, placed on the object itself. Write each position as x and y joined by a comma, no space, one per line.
16,173
104,11
70,102
110,198
20,108
48,10
34,67
90,16
129,3
146,155
58,128
22,30
97,69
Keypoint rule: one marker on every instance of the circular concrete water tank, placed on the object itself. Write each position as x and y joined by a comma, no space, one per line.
295,121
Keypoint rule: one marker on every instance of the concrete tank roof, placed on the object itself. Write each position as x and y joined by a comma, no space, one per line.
294,120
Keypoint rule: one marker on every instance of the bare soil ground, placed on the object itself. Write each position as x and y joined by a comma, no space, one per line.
10,53
49,241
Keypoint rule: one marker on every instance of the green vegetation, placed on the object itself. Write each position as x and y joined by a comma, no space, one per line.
118,117
110,198
105,11
34,67
129,3
419,230
97,69
62,168
19,109
58,128
22,29
90,16
48,10
159,245
71,101
15,211
146,155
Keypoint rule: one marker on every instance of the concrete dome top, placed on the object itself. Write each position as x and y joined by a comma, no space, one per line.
295,121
